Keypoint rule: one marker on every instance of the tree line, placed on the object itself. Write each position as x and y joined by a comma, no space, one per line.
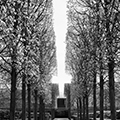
93,46
27,52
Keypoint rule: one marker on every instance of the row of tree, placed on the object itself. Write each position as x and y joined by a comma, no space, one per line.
93,47
27,51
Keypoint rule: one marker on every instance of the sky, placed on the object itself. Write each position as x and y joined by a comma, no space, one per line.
60,28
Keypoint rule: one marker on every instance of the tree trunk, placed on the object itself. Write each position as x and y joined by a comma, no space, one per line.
94,96
69,102
23,97
43,110
112,89
78,109
101,92
40,108
109,41
84,108
53,102
97,38
87,110
29,101
13,92
80,104
36,104
13,70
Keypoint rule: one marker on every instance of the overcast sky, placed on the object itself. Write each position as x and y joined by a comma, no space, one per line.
60,28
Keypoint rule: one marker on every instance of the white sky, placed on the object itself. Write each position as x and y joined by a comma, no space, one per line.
60,28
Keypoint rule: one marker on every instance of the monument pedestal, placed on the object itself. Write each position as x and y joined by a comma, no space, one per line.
61,106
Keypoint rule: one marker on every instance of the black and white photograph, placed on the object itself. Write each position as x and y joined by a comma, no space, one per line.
59,59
